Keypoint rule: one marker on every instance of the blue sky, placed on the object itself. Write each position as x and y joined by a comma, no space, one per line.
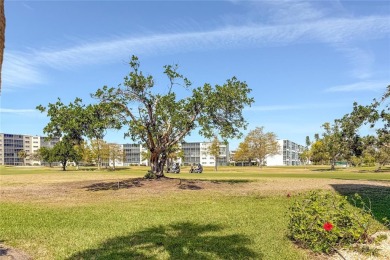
306,61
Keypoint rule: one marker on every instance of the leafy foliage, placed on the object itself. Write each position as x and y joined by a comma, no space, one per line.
258,145
65,151
323,221
214,150
162,120
341,141
46,155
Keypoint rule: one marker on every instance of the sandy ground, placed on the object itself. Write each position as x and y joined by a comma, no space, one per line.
75,192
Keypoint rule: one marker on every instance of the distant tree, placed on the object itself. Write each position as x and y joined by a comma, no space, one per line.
260,145
83,153
64,151
22,154
317,152
145,156
86,153
162,120
100,152
243,153
374,149
377,111
214,150
304,156
115,154
308,142
174,153
316,137
76,121
333,142
45,154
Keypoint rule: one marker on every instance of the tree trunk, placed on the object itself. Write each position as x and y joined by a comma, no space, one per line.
332,164
216,165
379,167
162,163
99,163
157,164
64,165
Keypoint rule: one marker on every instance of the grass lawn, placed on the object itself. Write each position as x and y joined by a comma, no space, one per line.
235,213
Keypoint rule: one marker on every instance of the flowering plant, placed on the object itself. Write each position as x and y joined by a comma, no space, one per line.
323,221
328,226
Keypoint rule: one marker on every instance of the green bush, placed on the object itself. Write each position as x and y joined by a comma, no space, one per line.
324,221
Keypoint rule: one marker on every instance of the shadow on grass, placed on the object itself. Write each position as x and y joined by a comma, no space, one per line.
117,185
230,181
325,170
189,185
183,240
375,196
383,170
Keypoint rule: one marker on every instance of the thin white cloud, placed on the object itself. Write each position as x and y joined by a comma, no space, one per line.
325,31
16,111
25,68
19,71
359,86
293,107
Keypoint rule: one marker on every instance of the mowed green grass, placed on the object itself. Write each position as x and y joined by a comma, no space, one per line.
75,223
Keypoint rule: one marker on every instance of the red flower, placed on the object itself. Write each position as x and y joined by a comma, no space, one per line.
328,226
288,195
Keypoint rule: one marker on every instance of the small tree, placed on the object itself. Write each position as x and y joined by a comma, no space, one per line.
243,153
64,151
116,153
100,151
47,155
214,150
260,144
334,142
22,154
317,152
304,157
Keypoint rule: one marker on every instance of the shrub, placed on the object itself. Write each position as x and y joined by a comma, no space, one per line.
324,221
150,175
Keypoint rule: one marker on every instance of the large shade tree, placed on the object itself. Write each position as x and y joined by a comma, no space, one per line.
160,119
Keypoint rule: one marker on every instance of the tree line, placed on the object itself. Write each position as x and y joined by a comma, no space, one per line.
341,140
94,152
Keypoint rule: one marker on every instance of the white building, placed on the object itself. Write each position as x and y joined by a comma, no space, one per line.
288,155
12,144
198,152
194,152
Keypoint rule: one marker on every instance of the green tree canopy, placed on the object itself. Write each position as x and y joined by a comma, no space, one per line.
214,150
161,120
258,145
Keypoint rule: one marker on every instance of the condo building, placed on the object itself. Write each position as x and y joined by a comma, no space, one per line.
288,154
194,152
199,152
12,144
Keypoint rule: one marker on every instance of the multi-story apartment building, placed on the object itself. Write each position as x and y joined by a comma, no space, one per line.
12,144
288,155
198,152
194,152
133,155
